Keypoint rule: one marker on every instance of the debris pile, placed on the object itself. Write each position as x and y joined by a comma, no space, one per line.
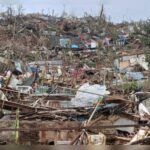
72,81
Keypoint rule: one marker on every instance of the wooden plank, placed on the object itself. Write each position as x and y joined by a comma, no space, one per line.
13,105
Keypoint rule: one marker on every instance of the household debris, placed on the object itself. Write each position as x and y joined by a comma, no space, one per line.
72,81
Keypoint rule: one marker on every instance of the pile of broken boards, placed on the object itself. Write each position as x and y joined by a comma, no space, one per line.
114,120
57,119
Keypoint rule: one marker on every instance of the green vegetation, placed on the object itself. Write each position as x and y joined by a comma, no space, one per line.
128,87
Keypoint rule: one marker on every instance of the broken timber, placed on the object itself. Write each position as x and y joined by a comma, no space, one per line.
13,105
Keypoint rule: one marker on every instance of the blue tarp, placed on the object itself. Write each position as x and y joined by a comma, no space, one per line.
74,46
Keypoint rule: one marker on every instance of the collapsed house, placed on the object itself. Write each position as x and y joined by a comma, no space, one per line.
63,91
128,62
90,114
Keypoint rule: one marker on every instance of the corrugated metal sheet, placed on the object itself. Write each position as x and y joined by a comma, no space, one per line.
135,75
124,64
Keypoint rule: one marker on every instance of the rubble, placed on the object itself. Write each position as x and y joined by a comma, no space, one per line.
72,81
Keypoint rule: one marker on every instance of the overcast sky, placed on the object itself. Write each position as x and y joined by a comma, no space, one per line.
117,10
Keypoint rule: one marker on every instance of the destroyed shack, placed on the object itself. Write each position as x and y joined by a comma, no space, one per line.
69,81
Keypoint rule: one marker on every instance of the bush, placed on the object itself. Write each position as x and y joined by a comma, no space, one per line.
128,87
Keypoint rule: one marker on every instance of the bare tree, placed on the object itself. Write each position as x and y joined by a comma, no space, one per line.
20,10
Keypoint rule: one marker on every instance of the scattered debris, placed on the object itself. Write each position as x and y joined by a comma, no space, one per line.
72,81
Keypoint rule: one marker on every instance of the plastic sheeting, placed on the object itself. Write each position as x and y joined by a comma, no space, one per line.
14,82
18,66
124,121
2,96
88,99
143,110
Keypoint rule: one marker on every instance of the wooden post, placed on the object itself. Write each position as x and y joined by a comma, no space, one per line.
8,80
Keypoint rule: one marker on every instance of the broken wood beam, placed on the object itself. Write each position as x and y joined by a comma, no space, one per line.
77,128
13,105
12,90
122,138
